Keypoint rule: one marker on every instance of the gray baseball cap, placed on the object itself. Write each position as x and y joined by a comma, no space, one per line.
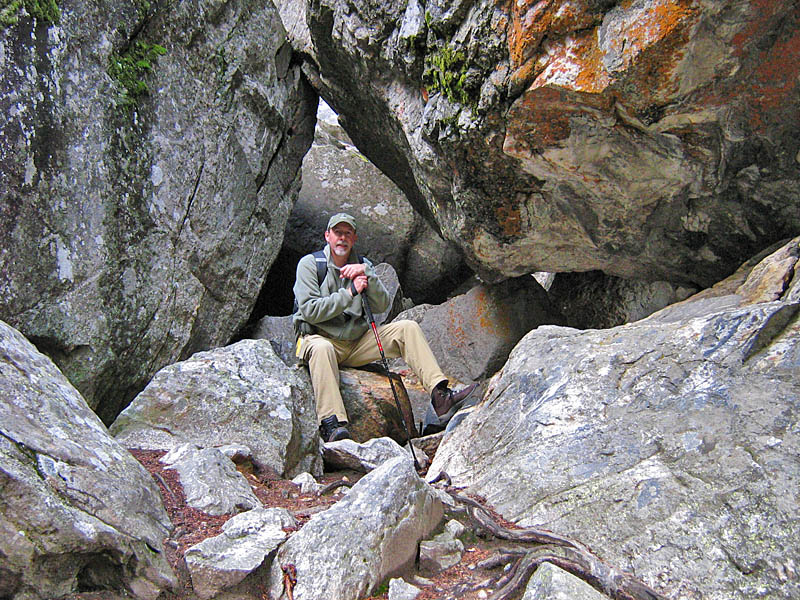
342,218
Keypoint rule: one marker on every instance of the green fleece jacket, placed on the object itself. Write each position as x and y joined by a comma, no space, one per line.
329,309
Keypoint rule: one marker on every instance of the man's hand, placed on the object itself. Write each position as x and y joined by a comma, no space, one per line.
360,283
355,272
352,270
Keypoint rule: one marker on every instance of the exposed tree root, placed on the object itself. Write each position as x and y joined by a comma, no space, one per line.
568,554
334,485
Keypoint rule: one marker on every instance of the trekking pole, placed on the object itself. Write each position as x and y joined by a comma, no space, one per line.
371,318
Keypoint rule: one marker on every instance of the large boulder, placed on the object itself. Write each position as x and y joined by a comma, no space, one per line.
650,139
371,405
220,562
77,511
472,334
669,446
347,550
241,394
150,159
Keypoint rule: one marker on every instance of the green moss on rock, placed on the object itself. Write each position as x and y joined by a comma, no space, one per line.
44,10
446,72
129,67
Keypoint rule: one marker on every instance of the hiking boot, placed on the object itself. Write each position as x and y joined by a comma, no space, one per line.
331,429
447,402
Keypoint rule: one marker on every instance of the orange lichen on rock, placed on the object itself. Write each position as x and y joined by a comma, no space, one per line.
528,24
644,28
531,21
577,61
458,336
509,218
490,317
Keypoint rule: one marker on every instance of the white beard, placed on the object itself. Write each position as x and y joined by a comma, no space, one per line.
341,251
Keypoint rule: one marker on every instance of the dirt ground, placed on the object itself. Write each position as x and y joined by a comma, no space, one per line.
464,580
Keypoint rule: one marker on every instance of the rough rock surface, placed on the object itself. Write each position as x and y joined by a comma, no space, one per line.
224,560
472,334
347,454
669,446
371,406
364,538
240,394
210,481
551,583
651,139
75,505
136,230
400,590
439,553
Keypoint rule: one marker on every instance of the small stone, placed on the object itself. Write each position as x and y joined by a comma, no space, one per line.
455,528
400,590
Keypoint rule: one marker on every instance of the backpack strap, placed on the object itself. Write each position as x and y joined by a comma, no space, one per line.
322,266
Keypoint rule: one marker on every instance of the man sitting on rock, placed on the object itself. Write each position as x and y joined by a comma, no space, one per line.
333,330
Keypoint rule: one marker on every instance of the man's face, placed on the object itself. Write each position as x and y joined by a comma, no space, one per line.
341,238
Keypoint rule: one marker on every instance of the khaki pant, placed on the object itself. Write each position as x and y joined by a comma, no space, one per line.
399,339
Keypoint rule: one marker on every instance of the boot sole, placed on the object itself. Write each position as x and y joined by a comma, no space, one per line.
339,434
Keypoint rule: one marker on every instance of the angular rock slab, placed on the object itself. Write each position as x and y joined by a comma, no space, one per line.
222,561
400,590
348,454
649,139
75,504
472,334
371,534
669,446
212,484
240,394
134,236
440,553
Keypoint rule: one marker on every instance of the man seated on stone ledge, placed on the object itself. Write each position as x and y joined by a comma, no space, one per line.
334,331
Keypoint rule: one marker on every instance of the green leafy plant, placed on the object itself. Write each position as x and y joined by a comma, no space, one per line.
44,10
382,589
128,69
446,72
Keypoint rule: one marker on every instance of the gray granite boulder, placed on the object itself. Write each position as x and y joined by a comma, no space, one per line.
371,534
551,583
667,445
143,205
76,507
240,394
210,481
220,562
348,454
